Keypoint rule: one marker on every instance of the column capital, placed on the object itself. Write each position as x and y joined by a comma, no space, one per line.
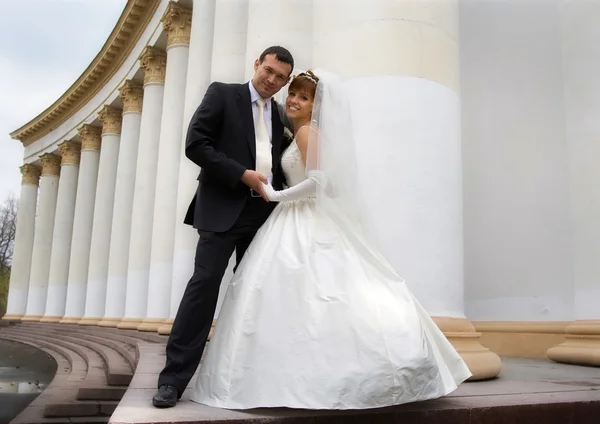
154,63
50,164
90,137
31,174
177,22
111,120
132,95
70,152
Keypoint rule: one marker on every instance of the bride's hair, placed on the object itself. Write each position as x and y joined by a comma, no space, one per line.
305,81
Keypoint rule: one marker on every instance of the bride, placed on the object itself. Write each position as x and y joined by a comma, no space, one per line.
314,317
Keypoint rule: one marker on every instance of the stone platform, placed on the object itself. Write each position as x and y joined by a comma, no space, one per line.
109,375
527,391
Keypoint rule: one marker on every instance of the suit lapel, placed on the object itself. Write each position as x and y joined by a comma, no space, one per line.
245,107
277,135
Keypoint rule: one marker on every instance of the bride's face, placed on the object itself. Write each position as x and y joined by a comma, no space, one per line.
299,104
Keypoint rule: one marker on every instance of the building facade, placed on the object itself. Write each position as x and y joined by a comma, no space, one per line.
499,232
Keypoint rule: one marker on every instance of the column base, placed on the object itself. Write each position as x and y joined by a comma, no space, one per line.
32,318
12,317
582,344
109,322
51,318
165,329
151,324
90,321
482,362
129,323
69,320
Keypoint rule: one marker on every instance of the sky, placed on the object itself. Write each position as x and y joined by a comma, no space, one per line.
45,45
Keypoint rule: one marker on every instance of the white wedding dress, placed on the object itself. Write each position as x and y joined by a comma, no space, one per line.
315,319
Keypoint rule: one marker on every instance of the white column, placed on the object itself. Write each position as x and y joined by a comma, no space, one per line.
198,79
82,224
269,24
42,243
21,261
116,286
103,212
153,62
63,232
582,88
229,48
228,65
177,22
580,68
414,39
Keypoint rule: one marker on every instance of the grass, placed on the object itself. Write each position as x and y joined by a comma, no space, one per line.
4,277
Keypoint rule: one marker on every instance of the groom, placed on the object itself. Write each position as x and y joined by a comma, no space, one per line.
236,137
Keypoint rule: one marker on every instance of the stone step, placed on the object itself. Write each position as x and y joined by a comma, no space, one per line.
123,335
129,337
77,364
117,369
80,409
84,393
62,387
93,361
125,346
137,335
94,385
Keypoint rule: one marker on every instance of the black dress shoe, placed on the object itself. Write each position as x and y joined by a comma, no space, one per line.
166,396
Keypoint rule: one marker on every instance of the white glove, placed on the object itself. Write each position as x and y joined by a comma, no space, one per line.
304,190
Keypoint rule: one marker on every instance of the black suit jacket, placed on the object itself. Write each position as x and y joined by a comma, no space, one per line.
220,139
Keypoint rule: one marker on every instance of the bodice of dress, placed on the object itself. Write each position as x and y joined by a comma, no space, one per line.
292,165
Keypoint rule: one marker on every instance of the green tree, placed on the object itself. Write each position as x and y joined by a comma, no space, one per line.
8,228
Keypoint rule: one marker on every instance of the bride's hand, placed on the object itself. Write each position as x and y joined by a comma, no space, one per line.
269,191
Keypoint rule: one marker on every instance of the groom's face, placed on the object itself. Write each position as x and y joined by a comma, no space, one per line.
270,76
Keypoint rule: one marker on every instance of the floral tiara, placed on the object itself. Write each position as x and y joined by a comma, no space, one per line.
309,75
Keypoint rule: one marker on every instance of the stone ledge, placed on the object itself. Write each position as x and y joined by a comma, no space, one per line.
578,407
527,391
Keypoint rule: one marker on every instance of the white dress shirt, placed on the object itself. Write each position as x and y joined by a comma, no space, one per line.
254,96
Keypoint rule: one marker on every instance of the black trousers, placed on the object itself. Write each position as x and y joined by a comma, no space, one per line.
197,308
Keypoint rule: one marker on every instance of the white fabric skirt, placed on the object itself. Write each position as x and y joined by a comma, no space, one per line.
315,319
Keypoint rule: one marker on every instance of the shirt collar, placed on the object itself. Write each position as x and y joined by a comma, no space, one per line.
254,96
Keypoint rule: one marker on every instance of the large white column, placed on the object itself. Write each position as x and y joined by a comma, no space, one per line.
269,24
82,224
228,64
63,232
581,87
103,213
153,62
42,243
132,95
177,22
414,39
229,48
21,261
198,79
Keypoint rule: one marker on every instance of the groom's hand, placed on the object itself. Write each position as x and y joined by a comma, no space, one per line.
256,181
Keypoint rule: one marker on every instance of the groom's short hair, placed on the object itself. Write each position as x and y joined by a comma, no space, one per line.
281,54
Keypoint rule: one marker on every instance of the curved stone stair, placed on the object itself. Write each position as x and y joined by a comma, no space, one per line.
95,367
